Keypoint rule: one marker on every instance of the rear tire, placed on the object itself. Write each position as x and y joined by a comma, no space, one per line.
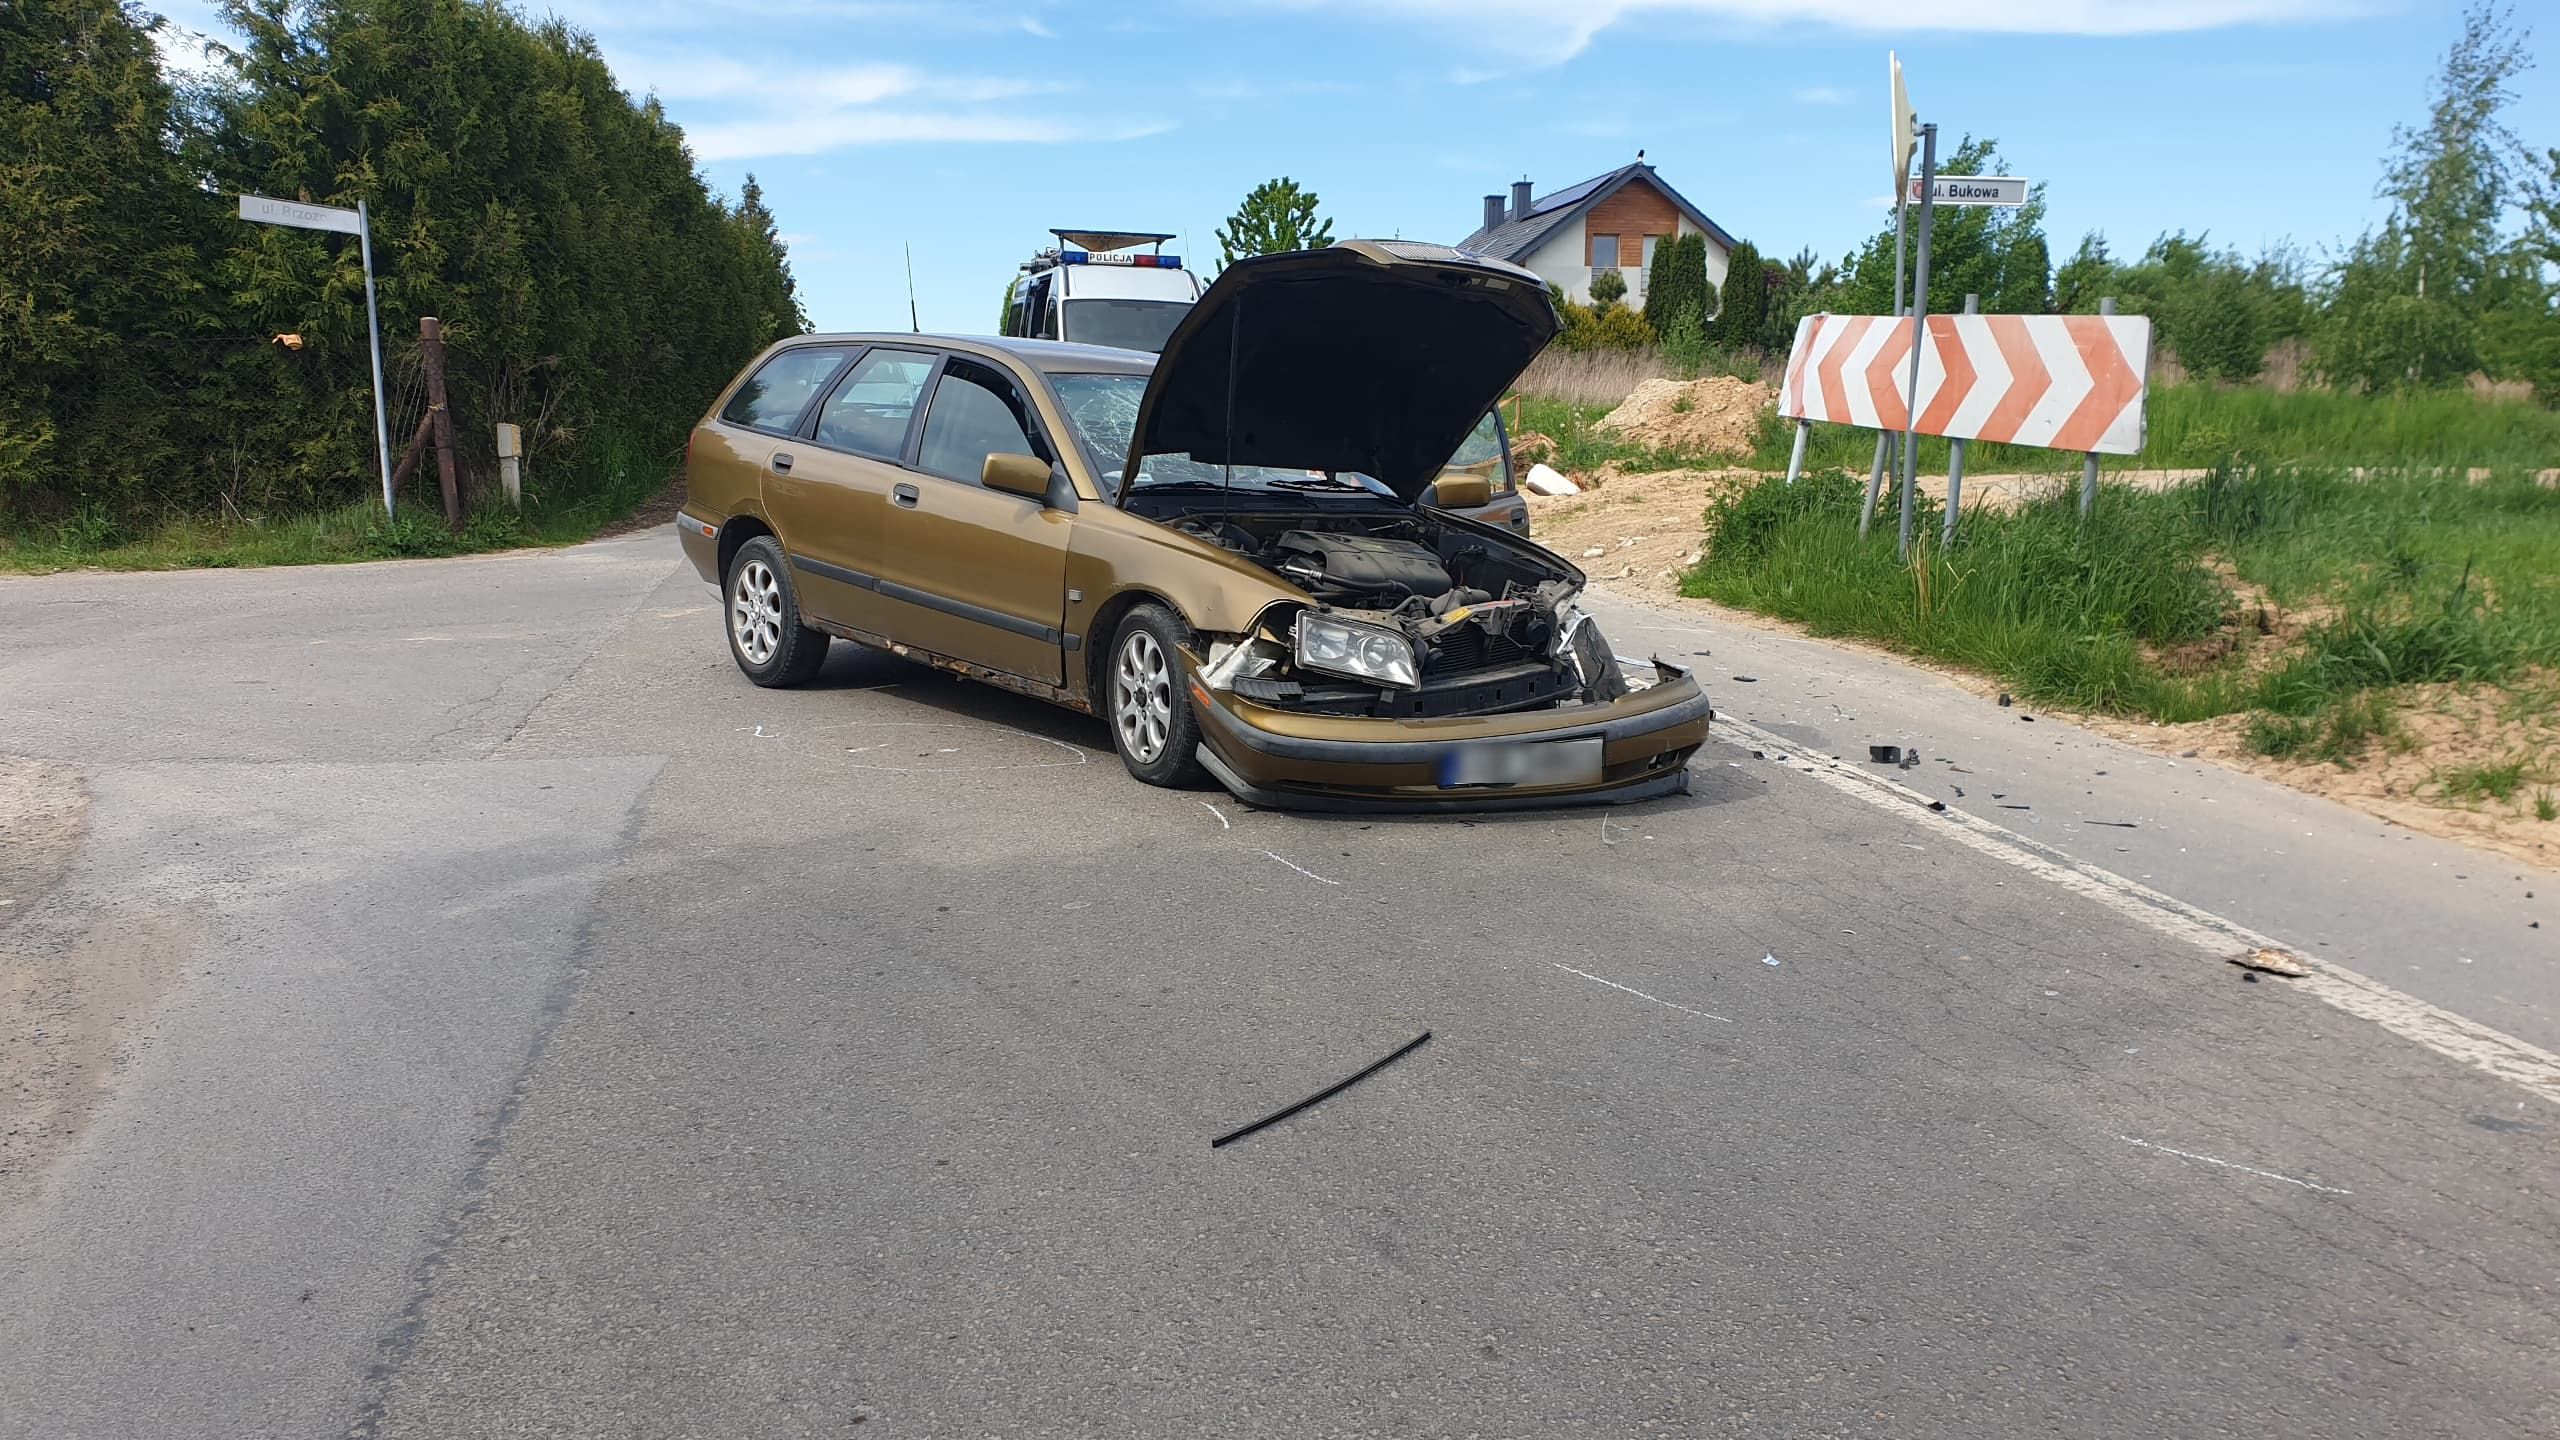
762,607
1147,699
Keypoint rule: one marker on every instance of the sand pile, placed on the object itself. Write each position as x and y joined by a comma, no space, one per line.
1715,416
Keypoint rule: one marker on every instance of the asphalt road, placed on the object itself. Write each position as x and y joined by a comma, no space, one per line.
563,1037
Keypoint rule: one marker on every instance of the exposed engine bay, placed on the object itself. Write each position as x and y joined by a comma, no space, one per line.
1487,625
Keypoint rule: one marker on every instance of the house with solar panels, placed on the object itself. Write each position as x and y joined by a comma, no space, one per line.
1608,222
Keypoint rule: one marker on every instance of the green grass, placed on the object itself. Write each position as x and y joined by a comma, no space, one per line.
2471,784
617,476
2432,579
2546,806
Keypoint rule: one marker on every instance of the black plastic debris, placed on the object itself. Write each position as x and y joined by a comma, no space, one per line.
1911,760
2118,824
2017,807
1885,754
2005,701
1748,679
1276,1116
2030,719
1940,804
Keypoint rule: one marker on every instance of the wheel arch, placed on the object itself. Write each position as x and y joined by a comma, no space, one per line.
1106,628
735,534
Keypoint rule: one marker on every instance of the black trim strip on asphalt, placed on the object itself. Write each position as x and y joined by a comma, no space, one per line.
1276,1116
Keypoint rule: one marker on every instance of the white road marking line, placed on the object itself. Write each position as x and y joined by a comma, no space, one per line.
1223,823
2467,1041
1630,989
2234,1165
1301,869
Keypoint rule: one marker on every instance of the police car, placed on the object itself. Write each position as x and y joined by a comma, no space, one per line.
1093,289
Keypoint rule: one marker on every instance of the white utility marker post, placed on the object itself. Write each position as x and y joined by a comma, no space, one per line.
359,223
511,464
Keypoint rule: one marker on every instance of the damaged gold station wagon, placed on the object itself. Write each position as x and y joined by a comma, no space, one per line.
1217,550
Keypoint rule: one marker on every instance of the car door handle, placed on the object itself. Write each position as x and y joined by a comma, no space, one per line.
905,495
782,464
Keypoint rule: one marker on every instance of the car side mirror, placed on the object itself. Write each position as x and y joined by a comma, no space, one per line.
1025,475
1463,492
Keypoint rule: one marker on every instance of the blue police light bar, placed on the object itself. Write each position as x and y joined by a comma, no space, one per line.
1143,262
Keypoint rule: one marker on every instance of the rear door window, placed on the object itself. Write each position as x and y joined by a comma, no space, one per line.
870,411
775,396
974,415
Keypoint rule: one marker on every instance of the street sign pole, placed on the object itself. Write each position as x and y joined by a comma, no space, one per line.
373,322
359,223
1902,142
2089,467
1955,458
1919,319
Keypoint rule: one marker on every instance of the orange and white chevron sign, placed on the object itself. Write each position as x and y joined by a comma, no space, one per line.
2065,382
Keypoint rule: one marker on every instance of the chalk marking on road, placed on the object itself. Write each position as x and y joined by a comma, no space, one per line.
1075,756
1223,823
1301,869
1630,989
2235,1165
2467,1041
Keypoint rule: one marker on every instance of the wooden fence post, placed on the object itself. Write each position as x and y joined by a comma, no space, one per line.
431,352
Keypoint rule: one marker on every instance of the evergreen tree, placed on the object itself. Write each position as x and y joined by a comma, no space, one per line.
100,291
1276,216
1746,299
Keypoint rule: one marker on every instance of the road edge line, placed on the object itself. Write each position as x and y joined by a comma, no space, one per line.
2520,1062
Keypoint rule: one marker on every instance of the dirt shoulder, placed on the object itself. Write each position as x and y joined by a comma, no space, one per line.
1647,528
74,988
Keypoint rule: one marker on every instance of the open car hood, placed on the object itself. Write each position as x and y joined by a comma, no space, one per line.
1371,356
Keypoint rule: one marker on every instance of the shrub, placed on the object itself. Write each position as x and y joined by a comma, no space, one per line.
1608,287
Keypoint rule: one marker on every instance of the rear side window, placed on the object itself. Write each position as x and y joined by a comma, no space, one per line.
781,388
870,411
972,418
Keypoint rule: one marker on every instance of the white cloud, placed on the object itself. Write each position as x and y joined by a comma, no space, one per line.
186,51
1549,32
734,109
1823,95
800,134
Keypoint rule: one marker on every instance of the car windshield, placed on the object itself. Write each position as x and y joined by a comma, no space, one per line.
1103,409
1122,324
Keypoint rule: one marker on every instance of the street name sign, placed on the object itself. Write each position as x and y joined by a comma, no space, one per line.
2006,190
307,217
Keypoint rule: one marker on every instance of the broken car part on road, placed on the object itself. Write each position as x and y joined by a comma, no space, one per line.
1318,1098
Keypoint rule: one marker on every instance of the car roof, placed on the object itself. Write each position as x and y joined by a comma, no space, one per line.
1047,356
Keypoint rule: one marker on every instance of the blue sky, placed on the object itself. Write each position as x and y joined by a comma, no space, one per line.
968,127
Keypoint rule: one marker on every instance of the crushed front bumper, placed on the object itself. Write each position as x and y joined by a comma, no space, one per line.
1286,760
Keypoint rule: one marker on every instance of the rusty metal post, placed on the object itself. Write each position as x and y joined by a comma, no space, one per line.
2089,467
1955,454
431,353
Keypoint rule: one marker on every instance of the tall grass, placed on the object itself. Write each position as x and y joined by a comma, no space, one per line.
2432,579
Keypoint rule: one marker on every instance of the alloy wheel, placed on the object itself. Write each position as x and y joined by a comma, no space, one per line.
755,612
1142,697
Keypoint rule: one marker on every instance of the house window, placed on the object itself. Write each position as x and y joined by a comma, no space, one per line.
1650,242
1604,252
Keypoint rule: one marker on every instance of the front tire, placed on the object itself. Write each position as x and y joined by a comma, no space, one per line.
766,638
1147,701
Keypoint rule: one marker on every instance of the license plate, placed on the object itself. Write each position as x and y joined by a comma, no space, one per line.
1542,762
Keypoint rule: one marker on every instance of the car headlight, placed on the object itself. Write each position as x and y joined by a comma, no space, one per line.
1362,652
